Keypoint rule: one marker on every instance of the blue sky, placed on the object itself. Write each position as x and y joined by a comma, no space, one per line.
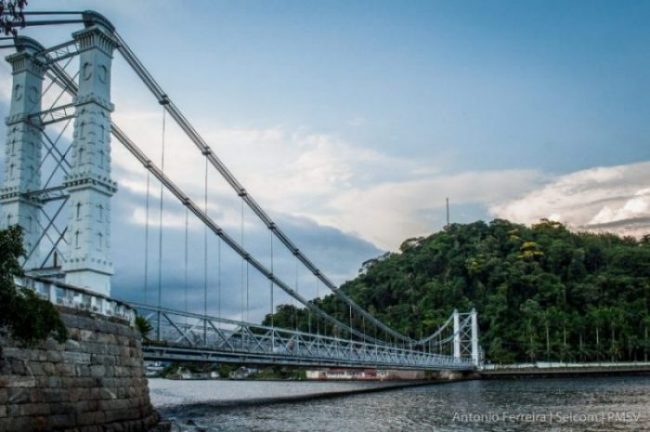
558,81
352,121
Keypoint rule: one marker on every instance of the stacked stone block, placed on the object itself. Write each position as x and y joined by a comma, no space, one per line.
93,382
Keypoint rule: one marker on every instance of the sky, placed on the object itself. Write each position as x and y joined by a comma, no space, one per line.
350,122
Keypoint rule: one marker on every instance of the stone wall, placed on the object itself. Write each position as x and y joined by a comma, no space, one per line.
93,382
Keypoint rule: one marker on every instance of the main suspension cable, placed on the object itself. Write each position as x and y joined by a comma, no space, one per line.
191,132
199,213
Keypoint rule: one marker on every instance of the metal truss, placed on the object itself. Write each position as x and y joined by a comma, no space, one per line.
465,335
192,337
57,53
56,114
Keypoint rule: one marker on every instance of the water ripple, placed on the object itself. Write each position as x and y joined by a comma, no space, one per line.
562,405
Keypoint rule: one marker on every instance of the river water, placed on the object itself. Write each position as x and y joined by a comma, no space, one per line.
567,405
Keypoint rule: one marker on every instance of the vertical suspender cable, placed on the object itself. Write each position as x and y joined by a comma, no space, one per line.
194,136
205,255
351,345
146,241
375,327
241,286
160,221
219,277
295,302
272,279
317,296
350,308
187,223
272,286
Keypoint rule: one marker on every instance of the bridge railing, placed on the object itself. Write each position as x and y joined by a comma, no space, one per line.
175,329
62,294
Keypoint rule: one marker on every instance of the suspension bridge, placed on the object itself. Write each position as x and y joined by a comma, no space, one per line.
58,187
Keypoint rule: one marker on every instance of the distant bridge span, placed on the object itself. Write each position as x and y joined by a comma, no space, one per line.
193,337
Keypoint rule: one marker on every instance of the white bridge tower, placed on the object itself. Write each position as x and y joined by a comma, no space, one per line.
80,253
89,186
22,177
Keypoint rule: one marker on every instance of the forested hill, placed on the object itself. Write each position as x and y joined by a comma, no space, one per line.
542,292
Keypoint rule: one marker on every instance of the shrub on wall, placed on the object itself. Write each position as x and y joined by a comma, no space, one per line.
27,317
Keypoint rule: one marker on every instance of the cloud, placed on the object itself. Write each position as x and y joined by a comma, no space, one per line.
337,254
389,212
301,173
614,199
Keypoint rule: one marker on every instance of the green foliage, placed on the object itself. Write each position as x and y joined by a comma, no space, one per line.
225,369
28,318
542,292
143,326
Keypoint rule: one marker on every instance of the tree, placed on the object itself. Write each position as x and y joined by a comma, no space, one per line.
27,317
143,326
532,316
540,291
12,16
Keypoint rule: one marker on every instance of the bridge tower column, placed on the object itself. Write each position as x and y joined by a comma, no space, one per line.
23,149
88,262
457,334
475,351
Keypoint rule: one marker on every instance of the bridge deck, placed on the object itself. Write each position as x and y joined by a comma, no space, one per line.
184,336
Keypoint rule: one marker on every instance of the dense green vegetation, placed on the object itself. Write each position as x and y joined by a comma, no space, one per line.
27,317
542,292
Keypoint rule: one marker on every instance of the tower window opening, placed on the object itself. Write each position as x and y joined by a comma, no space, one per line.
81,156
